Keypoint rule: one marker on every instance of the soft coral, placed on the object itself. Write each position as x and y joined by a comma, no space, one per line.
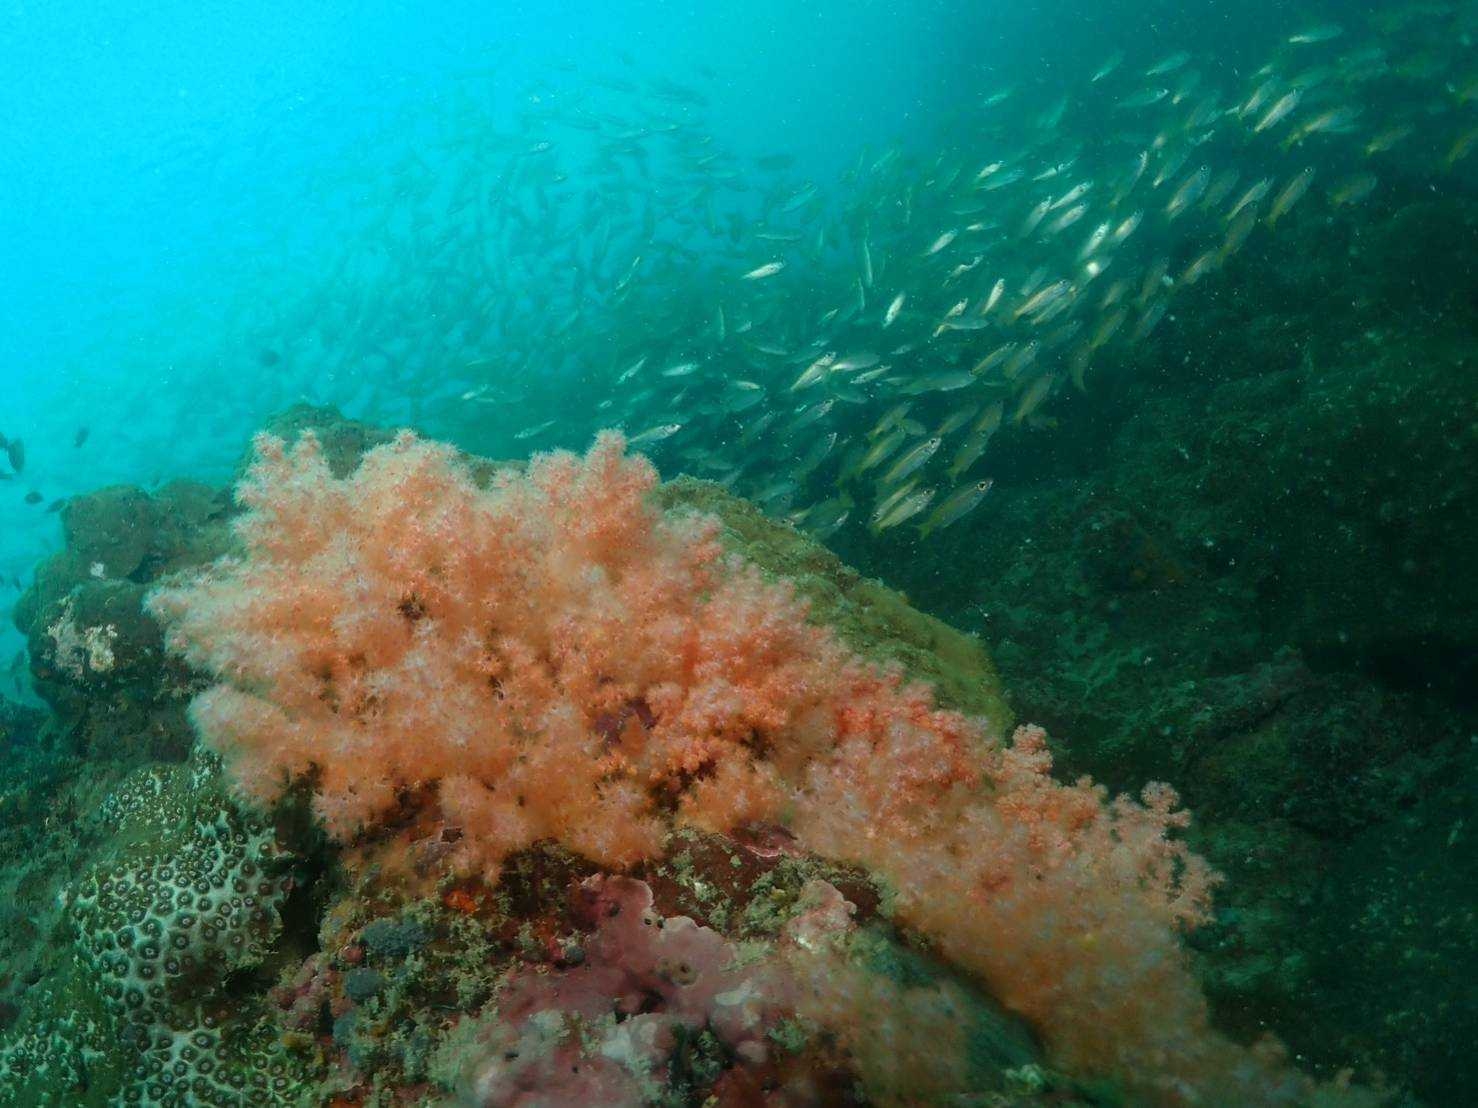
552,657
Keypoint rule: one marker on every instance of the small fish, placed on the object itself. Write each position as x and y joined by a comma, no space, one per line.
942,382
1035,217
34,497
1291,194
1107,327
1113,294
940,243
996,292
682,369
15,451
1033,396
913,460
1238,231
826,518
779,490
1095,240
1049,119
1169,65
1020,359
1189,192
1278,112
759,273
632,371
530,432
955,507
1002,180
1188,84
955,420
1077,192
1352,190
1201,265
885,505
1170,165
1110,64
1252,196
891,418
1323,33
814,372
970,451
994,359
742,402
1155,277
818,452
799,200
882,449
80,437
807,416
974,323
1136,171
1144,99
1067,219
853,362
1219,189
1127,227
1388,138
1335,121
1462,147
1149,319
1077,366
56,505
1259,97
655,434
990,418
891,315
904,510
1044,299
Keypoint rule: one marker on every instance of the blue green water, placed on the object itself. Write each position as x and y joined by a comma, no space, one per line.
1134,337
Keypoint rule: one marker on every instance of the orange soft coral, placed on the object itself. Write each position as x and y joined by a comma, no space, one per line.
551,657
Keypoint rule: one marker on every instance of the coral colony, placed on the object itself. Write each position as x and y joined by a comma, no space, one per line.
543,654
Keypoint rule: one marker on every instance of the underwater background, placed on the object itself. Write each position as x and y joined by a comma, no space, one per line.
1133,342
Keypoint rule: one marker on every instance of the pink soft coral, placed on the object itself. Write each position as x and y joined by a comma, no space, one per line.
551,657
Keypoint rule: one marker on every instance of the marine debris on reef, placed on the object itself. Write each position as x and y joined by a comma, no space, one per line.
486,759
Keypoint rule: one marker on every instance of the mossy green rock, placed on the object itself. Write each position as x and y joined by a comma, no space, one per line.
874,620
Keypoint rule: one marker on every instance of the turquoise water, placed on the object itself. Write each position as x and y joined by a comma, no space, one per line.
1134,339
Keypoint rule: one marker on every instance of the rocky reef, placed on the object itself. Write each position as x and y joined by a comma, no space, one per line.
1243,569
167,943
